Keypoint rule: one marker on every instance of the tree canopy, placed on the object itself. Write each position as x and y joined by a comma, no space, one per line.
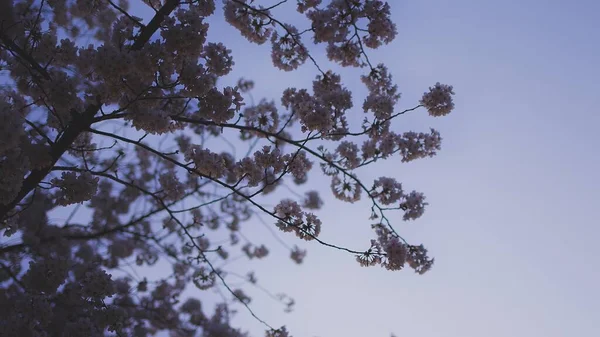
121,124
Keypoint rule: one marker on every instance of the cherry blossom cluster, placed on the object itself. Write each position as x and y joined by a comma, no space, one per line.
288,52
438,100
291,219
383,93
324,110
74,188
252,22
337,24
392,253
255,252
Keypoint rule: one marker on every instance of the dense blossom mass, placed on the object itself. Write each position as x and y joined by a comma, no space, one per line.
121,150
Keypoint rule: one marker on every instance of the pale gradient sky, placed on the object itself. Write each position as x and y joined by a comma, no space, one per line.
512,219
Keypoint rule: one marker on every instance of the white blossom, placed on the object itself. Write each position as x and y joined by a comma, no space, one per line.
203,279
304,5
75,188
217,106
438,100
383,94
218,58
263,116
381,29
396,254
412,145
387,190
288,53
281,332
346,190
413,205
97,283
312,200
206,162
245,85
171,186
349,152
239,295
298,164
298,255
253,25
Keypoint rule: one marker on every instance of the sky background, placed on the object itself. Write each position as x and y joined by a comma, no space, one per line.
512,220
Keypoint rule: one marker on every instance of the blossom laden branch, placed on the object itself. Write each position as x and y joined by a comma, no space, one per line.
126,193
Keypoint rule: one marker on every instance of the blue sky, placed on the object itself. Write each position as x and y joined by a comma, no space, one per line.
512,219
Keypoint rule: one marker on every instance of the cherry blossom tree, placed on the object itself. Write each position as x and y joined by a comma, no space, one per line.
120,123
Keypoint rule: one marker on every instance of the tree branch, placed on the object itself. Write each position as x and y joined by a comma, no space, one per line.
13,47
78,124
81,122
154,24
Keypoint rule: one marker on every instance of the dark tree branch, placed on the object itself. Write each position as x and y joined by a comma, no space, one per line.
78,124
11,46
154,24
124,12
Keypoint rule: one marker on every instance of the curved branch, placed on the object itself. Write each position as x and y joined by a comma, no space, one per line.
301,146
223,184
